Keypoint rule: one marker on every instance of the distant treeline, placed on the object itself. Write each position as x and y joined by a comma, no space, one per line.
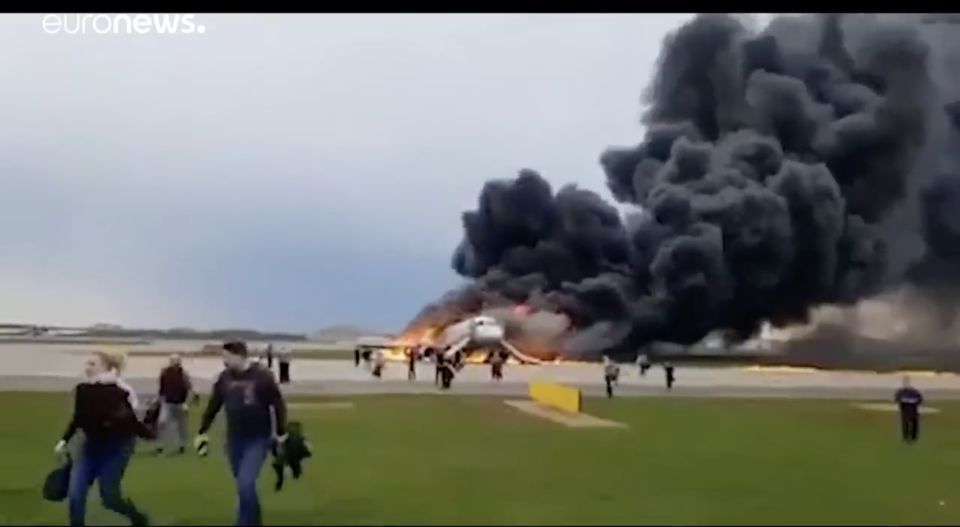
147,335
219,334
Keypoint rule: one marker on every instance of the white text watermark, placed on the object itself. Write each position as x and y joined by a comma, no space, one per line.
121,24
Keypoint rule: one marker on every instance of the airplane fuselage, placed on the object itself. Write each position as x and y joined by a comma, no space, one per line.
480,331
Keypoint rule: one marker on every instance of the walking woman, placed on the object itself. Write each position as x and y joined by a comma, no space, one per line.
104,409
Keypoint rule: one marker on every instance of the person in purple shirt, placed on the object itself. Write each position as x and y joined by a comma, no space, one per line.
909,400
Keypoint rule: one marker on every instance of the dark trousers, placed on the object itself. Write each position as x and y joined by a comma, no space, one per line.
104,462
910,426
246,457
356,358
412,371
284,372
609,382
496,372
269,361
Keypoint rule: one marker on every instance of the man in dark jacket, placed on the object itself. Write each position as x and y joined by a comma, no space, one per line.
437,366
909,399
284,356
611,374
175,391
256,423
270,356
413,354
496,365
448,369
669,375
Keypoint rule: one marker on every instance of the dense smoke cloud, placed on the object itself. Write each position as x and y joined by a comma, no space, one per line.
816,161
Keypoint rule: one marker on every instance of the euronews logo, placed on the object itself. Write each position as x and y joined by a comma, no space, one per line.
121,24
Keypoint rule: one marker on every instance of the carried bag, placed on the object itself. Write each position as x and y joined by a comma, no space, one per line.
57,483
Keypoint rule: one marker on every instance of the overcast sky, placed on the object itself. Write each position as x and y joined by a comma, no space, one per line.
288,171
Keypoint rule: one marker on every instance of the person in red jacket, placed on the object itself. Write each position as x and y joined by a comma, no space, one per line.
104,408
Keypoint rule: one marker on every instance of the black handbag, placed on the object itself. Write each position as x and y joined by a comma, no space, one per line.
57,483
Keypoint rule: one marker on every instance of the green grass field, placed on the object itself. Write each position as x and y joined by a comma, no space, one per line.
460,460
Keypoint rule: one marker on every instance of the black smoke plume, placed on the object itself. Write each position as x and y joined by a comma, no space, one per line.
816,161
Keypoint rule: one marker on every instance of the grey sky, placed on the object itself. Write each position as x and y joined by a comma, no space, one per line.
288,171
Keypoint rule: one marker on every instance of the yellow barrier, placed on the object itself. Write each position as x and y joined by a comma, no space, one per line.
556,395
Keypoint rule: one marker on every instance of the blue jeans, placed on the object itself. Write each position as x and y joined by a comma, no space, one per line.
247,456
103,461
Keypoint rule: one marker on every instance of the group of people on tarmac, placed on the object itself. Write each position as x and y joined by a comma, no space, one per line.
373,359
611,372
108,413
445,368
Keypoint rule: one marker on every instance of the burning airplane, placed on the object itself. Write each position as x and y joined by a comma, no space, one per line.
474,338
481,335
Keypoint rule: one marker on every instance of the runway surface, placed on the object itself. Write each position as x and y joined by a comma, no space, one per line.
44,368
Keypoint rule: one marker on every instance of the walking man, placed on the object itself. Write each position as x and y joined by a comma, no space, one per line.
283,358
496,366
438,360
909,400
643,362
412,356
611,374
270,356
447,372
668,372
175,391
366,356
256,422
379,363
